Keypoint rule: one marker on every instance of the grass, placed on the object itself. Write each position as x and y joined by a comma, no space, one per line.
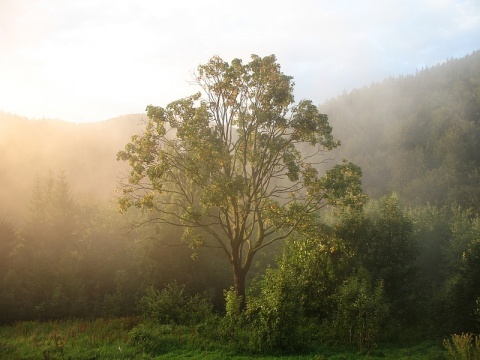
68,339
131,338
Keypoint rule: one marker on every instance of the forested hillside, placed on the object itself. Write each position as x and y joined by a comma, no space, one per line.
418,135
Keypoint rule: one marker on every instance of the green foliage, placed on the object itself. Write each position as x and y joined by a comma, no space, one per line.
9,240
83,264
339,278
235,329
278,313
273,322
126,338
71,256
232,303
464,287
172,306
343,186
336,278
361,309
380,239
449,266
316,267
167,306
68,339
276,320
43,252
114,303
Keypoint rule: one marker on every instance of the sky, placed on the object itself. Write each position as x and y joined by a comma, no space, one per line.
92,60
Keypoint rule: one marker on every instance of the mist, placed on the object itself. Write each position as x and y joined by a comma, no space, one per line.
382,127
84,153
67,252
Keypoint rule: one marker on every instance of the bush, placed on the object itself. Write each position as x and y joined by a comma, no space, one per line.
234,328
463,347
172,305
272,322
280,313
361,310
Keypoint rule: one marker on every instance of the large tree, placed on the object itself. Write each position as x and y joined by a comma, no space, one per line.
235,165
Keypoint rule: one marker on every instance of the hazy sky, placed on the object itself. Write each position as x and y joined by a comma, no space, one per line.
90,60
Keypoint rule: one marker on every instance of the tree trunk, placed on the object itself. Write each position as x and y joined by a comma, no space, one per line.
239,276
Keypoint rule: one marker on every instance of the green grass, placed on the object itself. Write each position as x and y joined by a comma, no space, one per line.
131,338
68,339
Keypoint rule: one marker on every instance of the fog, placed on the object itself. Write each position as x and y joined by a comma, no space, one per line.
61,256
416,135
401,131
85,153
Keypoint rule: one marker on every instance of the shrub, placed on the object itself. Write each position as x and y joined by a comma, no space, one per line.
234,328
280,313
361,310
272,320
463,347
172,305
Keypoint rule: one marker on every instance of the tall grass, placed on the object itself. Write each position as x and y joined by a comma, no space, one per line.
136,338
88,339
463,347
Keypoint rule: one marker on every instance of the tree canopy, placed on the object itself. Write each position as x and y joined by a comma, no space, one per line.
226,165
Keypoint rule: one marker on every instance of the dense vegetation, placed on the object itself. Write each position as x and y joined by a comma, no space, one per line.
404,267
417,135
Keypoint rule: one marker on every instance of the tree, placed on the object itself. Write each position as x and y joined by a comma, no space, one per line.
224,164
380,239
9,240
462,288
361,308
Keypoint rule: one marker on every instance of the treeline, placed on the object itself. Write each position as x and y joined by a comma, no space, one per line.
417,134
79,258
86,152
381,273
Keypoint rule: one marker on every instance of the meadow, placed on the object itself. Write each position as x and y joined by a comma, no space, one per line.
135,338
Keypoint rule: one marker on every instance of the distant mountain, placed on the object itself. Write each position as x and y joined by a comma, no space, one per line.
418,135
86,153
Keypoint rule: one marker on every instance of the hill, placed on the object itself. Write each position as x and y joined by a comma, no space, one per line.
418,135
86,153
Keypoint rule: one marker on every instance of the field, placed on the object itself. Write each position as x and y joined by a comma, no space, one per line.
132,338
